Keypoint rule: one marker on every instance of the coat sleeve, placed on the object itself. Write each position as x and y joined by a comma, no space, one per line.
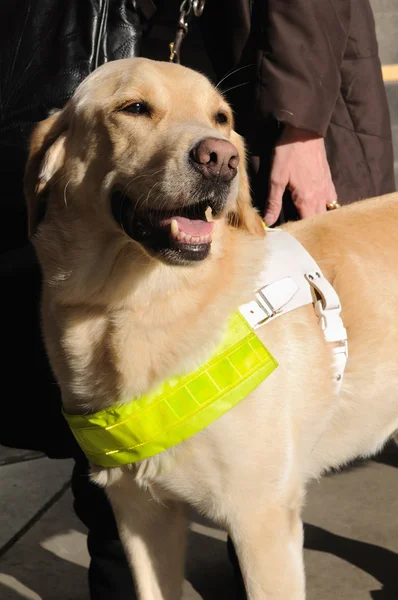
302,44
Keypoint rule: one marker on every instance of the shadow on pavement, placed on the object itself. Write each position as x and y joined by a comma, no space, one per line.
389,456
208,569
41,574
380,563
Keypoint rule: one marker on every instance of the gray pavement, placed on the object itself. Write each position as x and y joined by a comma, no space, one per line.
351,537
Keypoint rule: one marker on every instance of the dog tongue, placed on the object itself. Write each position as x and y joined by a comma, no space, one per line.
195,227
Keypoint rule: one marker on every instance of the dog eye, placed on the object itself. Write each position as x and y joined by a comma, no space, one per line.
221,118
137,108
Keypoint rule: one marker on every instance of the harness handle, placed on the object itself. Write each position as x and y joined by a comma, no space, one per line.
188,9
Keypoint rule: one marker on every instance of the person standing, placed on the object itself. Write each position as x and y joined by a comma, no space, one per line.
309,99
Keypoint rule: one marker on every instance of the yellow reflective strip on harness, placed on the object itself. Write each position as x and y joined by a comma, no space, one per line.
179,408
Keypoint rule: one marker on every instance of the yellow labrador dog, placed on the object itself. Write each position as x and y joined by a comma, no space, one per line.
147,244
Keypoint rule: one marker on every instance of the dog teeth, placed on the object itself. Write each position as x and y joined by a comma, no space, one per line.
181,236
174,228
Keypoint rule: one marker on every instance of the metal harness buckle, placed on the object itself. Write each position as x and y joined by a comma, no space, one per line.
327,309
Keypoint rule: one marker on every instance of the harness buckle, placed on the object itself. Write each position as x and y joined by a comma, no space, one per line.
269,302
328,308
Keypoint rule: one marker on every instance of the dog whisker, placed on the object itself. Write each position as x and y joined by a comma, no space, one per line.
235,86
62,177
120,213
65,188
232,72
146,175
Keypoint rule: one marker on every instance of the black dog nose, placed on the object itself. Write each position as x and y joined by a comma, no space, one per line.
215,159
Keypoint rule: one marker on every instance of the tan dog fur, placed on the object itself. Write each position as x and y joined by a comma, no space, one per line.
116,322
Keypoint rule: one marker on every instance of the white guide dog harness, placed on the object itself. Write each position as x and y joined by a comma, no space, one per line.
290,279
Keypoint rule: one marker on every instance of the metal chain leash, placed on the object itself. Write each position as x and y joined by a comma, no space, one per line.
188,9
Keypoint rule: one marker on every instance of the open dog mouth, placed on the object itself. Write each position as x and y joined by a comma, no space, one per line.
176,236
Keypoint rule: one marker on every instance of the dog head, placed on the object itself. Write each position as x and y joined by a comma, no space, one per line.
144,153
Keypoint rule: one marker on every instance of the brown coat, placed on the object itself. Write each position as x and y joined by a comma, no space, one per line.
313,64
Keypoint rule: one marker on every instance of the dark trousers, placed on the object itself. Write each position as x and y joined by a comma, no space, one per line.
109,574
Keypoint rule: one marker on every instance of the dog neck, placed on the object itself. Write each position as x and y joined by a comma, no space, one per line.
161,323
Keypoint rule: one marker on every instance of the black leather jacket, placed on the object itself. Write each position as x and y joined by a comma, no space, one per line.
47,47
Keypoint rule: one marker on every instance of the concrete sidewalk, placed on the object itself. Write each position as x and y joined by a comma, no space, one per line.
351,537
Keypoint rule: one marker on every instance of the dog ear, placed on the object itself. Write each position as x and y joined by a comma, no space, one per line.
46,157
245,216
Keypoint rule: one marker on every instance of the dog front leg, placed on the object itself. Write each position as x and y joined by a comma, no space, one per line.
153,535
269,548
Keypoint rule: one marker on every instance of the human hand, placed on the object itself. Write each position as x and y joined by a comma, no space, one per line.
301,166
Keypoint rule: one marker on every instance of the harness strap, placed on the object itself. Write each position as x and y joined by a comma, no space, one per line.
291,279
